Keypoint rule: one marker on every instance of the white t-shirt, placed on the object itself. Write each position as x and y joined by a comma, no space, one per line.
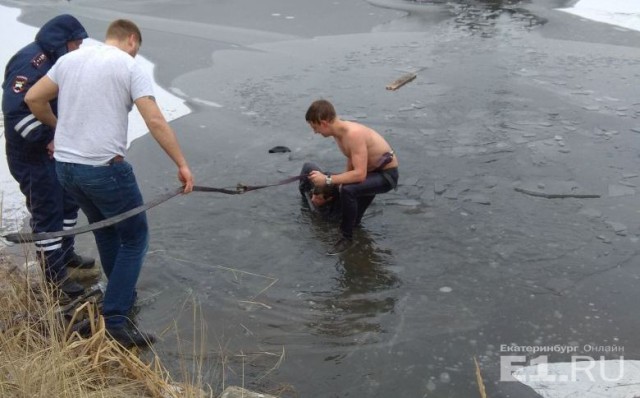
97,88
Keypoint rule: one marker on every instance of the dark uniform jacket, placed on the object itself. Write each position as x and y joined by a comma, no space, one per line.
332,210
26,137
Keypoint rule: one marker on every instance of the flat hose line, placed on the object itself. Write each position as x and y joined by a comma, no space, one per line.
19,237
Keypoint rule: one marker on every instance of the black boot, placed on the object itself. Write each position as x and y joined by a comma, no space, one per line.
128,336
82,327
77,261
71,288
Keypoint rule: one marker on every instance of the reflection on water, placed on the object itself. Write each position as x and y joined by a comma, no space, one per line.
364,268
362,291
475,16
489,3
482,16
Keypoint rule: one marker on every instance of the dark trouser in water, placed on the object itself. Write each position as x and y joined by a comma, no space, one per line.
51,208
356,198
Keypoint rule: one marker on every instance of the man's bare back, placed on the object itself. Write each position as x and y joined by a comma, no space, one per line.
376,145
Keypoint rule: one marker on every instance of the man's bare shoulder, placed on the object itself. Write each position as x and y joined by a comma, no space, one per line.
357,130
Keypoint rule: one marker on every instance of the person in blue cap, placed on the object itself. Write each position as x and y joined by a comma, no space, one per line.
29,148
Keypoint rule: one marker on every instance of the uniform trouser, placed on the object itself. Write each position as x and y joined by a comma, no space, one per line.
356,198
51,208
103,192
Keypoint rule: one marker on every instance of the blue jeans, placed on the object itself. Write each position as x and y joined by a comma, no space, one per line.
103,192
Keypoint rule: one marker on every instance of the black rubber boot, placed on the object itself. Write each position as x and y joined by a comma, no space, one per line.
77,261
71,288
129,336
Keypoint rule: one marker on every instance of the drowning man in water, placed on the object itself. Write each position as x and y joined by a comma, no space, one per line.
322,201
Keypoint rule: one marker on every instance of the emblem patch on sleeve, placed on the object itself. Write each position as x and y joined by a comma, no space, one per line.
19,84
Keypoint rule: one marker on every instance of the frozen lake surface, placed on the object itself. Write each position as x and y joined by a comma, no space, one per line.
487,244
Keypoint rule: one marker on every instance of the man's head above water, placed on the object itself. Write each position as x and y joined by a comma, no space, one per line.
320,196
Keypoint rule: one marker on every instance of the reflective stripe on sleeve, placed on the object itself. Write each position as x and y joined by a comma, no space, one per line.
27,124
24,121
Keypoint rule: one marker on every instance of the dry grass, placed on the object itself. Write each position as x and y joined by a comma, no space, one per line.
40,358
481,388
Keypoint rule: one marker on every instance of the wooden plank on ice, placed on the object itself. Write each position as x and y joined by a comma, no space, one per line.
401,81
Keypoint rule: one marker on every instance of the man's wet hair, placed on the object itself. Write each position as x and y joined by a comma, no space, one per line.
325,191
320,110
121,29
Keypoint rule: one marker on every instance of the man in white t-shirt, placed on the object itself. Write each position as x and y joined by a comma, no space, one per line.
96,89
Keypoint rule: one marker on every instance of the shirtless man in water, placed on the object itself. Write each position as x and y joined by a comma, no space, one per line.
372,166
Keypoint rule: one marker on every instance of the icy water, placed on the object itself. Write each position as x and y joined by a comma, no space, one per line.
453,265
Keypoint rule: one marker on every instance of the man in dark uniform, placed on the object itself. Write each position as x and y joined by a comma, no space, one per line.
324,201
29,146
